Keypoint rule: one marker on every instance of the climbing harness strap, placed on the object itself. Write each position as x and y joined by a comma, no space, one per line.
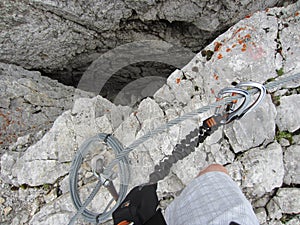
180,151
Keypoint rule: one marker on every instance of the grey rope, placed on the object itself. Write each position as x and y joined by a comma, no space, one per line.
121,156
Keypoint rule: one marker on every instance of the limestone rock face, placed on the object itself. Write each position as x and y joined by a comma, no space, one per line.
265,167
288,115
250,131
54,36
54,152
30,103
287,200
291,164
269,160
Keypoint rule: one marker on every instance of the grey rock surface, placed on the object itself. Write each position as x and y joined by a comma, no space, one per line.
294,221
250,131
288,200
270,161
245,52
274,211
30,103
291,164
54,152
53,36
288,117
261,215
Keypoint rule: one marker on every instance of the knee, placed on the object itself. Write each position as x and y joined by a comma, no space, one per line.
213,168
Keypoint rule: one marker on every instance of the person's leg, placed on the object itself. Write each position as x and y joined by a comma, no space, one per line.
213,168
212,198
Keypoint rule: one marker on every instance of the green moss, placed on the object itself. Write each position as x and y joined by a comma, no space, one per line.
46,187
276,100
285,135
280,72
270,80
23,186
287,217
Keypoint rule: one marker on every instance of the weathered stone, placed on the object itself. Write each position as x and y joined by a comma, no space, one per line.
294,221
171,185
28,108
149,109
53,36
54,152
61,209
164,94
284,142
261,215
235,172
127,130
183,89
256,128
21,143
296,139
288,117
7,163
196,161
287,200
219,153
2,200
262,201
289,40
291,165
274,211
7,210
262,170
259,171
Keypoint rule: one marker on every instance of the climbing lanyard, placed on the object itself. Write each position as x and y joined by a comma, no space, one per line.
211,124
232,103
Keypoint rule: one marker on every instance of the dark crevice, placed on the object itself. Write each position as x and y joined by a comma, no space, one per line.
179,33
137,80
297,132
284,185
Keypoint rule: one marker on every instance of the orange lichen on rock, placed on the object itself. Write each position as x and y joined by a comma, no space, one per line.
240,29
297,14
228,50
233,46
244,48
220,56
216,77
248,36
218,46
240,41
177,80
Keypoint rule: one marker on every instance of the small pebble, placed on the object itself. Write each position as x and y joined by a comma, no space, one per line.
2,200
7,210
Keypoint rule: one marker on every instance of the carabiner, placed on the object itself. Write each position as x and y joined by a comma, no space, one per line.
230,113
262,93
